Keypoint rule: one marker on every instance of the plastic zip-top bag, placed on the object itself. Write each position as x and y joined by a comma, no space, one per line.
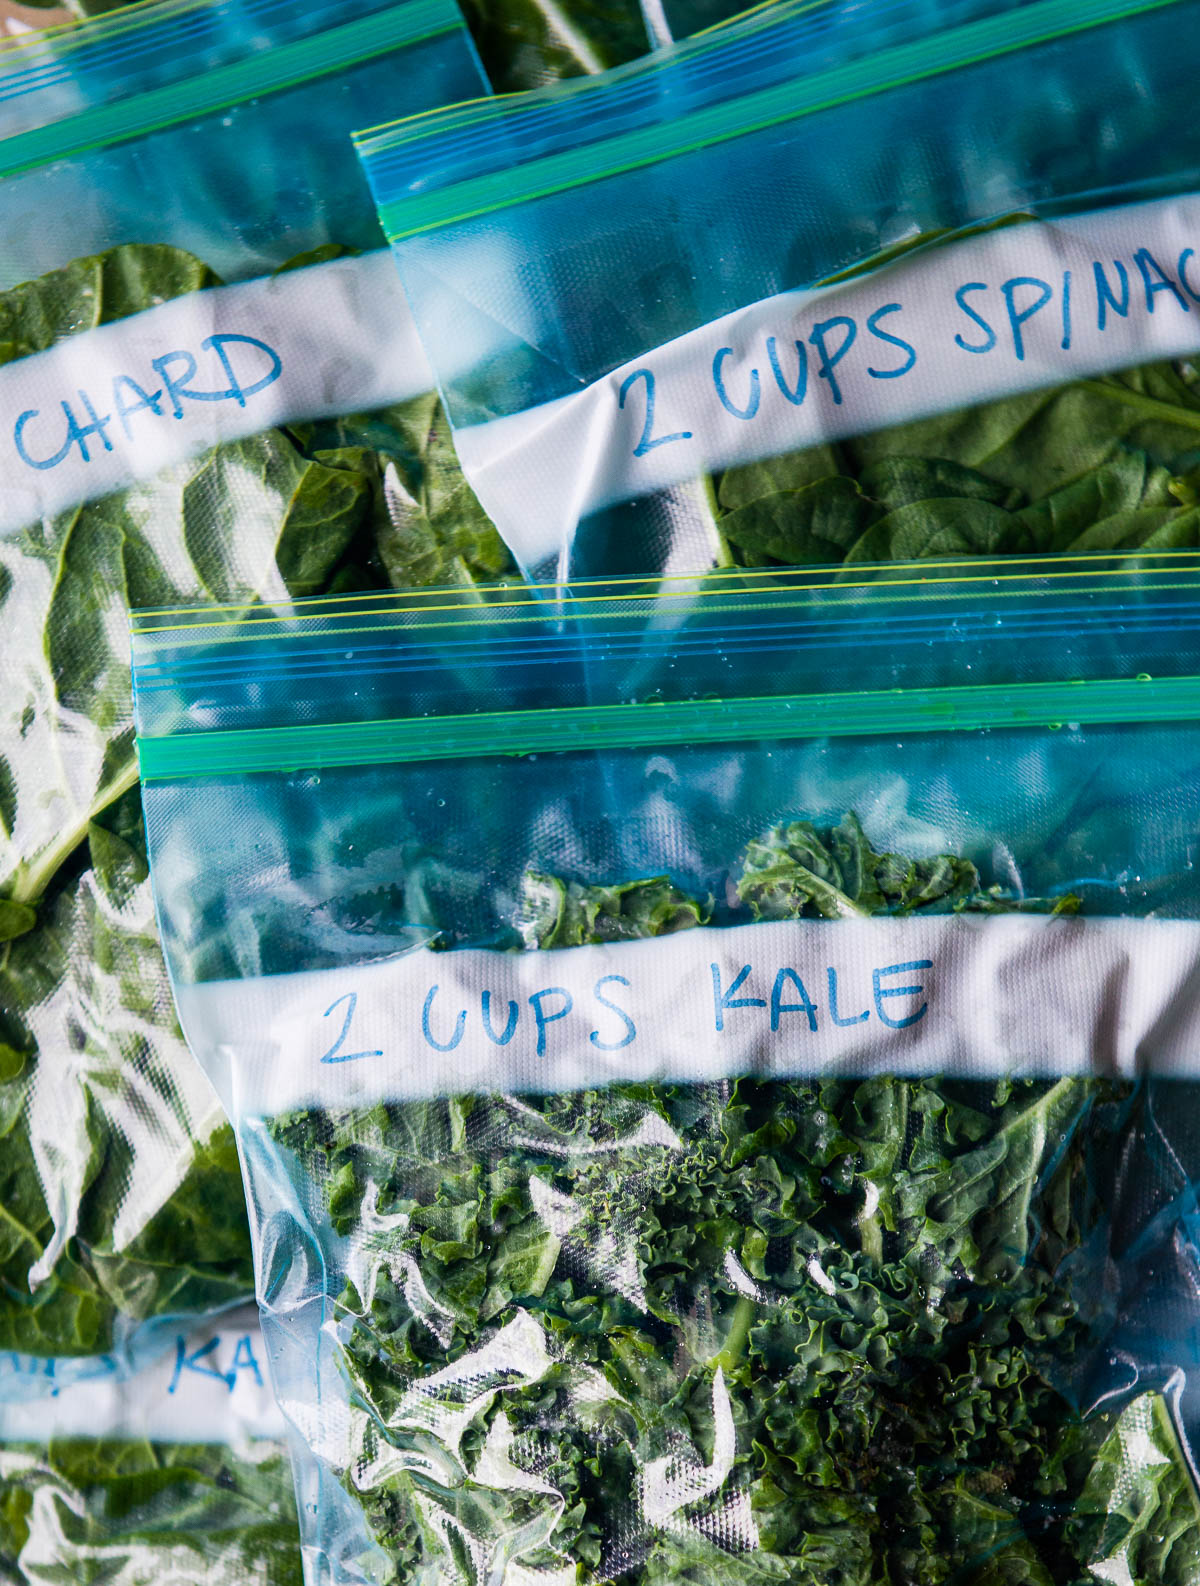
175,1476
781,295
181,416
715,1073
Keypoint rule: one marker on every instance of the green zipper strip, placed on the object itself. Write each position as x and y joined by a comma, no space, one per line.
968,45
652,725
265,72
71,37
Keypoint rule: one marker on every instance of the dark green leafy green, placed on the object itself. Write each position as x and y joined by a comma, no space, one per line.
564,914
120,1194
814,1332
92,1510
1139,1518
370,500
427,528
798,871
526,43
94,291
1099,465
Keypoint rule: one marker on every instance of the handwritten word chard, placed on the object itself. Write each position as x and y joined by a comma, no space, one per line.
754,1330
163,391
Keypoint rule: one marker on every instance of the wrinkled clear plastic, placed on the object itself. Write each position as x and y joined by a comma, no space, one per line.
176,1474
712,309
165,437
714,1070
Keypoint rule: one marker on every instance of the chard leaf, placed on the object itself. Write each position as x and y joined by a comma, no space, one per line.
258,518
97,1230
101,1228
282,513
94,291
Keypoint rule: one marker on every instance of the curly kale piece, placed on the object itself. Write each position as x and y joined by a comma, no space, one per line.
798,871
556,913
810,1332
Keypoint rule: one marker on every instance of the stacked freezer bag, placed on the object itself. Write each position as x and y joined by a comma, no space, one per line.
523,43
209,389
714,1067
529,43
526,43
176,1476
774,297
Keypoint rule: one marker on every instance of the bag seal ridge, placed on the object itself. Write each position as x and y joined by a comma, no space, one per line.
649,724
470,129
77,48
708,585
269,71
967,45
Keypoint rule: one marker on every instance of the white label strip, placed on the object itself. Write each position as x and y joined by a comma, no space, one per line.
116,404
974,995
1013,310
210,1386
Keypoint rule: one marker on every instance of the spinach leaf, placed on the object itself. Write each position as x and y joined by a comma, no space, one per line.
756,1330
1097,465
821,522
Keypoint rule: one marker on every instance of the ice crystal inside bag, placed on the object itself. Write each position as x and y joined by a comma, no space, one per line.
715,1076
182,417
797,294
